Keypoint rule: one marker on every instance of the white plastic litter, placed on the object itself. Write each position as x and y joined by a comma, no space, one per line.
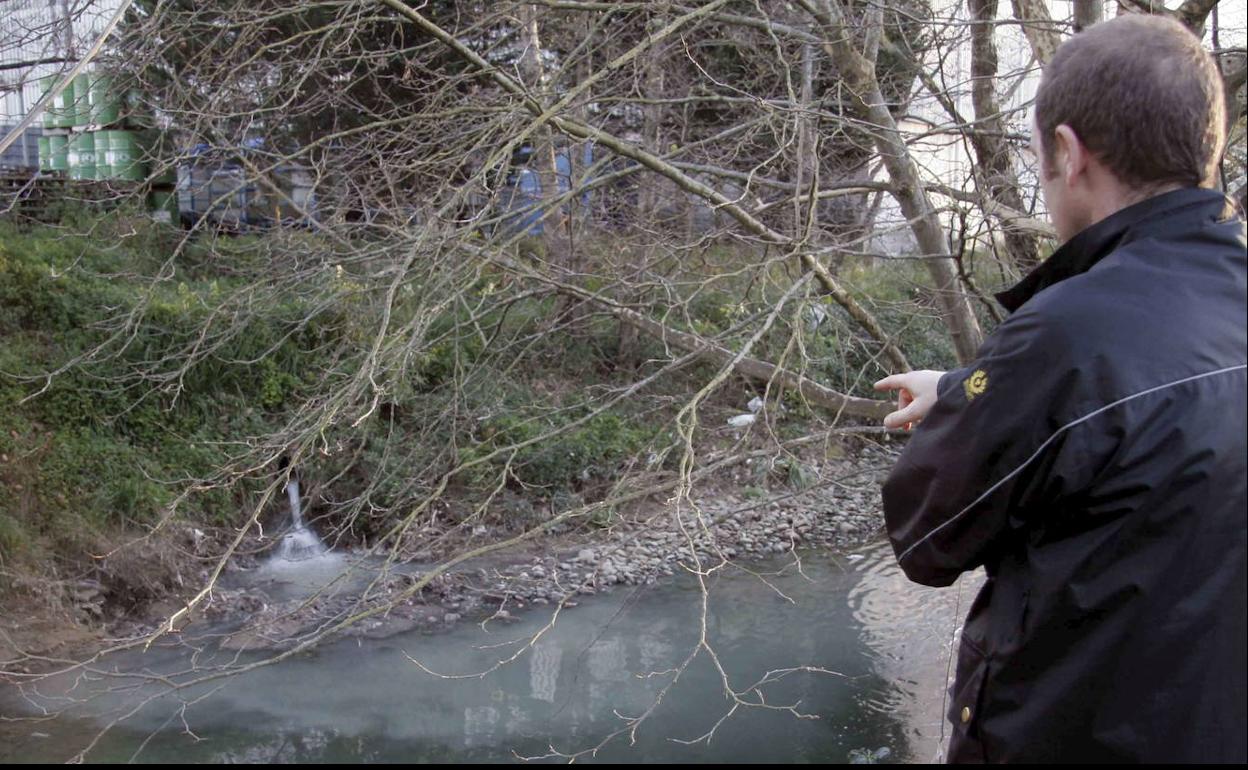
815,316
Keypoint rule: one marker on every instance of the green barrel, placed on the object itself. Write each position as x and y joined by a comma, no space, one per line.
103,159
45,154
119,156
163,205
58,153
103,101
46,84
80,108
52,117
57,113
82,156
66,105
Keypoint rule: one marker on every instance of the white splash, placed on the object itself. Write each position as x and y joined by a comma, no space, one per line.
300,543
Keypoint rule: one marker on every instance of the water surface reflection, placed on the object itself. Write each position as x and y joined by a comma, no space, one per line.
885,640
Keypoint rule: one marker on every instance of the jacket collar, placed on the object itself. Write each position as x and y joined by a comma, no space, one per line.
1080,253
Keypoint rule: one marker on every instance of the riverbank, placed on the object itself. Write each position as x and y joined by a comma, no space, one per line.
276,605
176,404
864,649
721,530
264,608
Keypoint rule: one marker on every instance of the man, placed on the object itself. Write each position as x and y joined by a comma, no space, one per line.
1092,459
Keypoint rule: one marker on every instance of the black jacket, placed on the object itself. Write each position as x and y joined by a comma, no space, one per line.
1093,461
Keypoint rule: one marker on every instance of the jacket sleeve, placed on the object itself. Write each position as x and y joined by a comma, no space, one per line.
992,450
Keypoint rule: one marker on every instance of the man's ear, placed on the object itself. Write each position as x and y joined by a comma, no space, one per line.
1070,156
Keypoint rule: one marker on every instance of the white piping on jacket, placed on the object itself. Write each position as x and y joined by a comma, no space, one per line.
1050,440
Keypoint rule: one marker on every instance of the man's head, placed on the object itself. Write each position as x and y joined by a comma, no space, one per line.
1128,109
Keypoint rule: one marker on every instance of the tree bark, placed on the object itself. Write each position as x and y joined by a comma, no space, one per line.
869,106
996,170
1039,28
806,166
533,71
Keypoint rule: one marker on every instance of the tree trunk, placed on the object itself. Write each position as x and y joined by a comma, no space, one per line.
806,164
870,107
1039,28
996,171
533,71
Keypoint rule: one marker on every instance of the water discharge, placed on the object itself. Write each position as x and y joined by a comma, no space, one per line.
300,543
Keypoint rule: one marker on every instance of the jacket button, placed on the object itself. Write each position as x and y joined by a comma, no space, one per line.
966,714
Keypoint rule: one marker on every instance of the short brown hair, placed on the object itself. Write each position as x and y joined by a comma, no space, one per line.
1142,95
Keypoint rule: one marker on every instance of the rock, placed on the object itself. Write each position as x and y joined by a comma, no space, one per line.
586,555
451,617
251,602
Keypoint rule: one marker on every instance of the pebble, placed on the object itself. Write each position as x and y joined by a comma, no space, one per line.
826,517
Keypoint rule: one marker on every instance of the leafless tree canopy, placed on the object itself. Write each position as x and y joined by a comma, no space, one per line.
443,199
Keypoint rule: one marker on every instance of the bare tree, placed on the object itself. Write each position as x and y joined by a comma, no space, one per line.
404,219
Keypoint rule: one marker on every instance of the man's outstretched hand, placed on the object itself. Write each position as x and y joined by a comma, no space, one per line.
915,397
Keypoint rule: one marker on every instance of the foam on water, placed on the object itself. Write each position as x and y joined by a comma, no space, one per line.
300,543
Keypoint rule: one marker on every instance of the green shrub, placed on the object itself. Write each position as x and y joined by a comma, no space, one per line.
594,450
